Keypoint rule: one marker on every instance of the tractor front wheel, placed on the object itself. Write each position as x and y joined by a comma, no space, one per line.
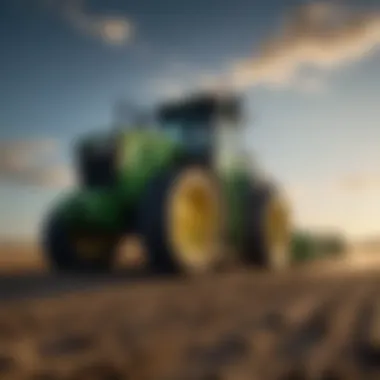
66,251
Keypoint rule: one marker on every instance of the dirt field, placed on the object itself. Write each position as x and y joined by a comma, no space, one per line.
319,323
20,258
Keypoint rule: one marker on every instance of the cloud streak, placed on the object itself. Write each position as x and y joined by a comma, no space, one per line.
30,163
322,36
112,30
358,183
317,35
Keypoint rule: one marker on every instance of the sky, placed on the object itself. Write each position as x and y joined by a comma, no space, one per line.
309,72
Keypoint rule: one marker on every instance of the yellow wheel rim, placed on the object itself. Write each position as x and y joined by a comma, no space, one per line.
194,219
278,231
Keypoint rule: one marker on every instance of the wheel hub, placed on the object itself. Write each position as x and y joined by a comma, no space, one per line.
277,232
90,247
194,219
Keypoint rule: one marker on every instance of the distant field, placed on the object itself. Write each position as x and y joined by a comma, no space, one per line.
24,257
21,257
16,258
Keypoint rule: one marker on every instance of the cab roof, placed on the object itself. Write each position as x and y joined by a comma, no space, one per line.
200,107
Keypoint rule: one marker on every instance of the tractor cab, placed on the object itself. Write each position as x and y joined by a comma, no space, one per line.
206,125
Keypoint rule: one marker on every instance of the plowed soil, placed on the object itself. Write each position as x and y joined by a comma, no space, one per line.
245,325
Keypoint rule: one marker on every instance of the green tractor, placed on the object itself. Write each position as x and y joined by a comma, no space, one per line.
183,185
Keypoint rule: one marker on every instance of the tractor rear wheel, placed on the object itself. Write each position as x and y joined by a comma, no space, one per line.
181,221
80,252
267,229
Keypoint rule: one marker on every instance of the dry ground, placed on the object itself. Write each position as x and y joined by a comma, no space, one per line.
16,258
321,322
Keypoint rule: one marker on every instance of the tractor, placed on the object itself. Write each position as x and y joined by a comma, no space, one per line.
183,185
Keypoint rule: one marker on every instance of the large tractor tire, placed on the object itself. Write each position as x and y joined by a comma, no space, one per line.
181,221
267,229
79,253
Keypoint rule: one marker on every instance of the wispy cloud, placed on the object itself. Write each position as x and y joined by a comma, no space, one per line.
32,163
111,29
349,184
319,35
360,182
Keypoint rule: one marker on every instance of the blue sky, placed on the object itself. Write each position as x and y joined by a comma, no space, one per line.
316,128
